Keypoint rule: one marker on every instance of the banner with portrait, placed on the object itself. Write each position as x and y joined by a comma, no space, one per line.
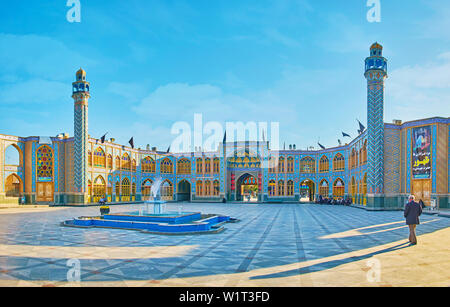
421,152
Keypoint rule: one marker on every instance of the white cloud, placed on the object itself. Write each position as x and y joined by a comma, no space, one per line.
35,91
419,91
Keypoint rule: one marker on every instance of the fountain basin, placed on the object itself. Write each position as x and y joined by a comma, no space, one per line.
187,223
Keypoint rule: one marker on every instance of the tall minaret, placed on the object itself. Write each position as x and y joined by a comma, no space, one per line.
375,73
81,98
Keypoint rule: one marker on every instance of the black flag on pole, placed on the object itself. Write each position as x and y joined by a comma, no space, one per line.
361,127
345,135
321,146
168,149
103,138
224,137
131,142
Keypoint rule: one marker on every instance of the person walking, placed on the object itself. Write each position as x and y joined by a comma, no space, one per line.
412,212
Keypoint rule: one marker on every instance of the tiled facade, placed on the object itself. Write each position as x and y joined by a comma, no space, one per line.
376,167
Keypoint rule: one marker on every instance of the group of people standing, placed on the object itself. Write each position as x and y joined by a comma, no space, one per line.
333,201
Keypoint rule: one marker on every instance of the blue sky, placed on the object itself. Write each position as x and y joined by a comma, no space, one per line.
153,63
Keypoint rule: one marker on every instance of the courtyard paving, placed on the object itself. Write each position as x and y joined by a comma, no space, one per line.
272,245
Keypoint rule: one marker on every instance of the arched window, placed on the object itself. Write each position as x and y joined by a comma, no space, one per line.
353,188
148,165
13,156
281,165
199,188
323,188
338,188
324,164
117,163
272,187
290,165
146,189
166,166
184,167
216,167
338,163
199,167
13,186
99,189
89,157
109,162
110,188
126,189
280,188
45,163
117,190
207,165
307,165
207,188
216,188
272,165
364,153
167,190
99,158
126,163
290,188
364,185
133,165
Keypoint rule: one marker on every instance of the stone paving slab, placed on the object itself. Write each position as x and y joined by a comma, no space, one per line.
272,245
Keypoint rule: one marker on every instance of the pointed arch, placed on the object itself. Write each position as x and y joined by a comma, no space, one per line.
126,162
44,163
199,188
146,189
125,189
13,186
13,155
280,189
338,163
99,157
166,190
216,188
99,188
338,188
308,165
290,188
166,166
148,165
199,166
183,167
324,188
290,165
272,187
324,164
109,162
216,166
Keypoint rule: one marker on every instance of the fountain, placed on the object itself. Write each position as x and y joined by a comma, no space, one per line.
152,217
156,203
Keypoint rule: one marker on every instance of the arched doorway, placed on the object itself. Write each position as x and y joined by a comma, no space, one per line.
307,191
44,174
13,186
247,188
184,191
99,189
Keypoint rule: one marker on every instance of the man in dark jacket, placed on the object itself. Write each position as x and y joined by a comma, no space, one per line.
412,212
